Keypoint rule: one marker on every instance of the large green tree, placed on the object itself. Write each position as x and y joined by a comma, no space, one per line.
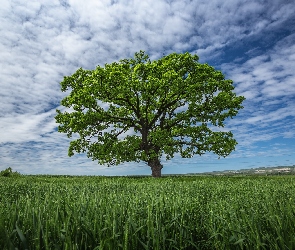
170,104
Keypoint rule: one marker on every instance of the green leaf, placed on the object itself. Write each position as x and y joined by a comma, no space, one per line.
22,237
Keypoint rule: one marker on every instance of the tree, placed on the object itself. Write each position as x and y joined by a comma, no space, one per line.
9,173
169,103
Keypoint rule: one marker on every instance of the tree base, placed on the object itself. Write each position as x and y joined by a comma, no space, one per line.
156,167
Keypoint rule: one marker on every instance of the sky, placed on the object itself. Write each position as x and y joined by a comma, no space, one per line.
251,41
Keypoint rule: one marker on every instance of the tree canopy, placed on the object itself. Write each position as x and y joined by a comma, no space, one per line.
169,103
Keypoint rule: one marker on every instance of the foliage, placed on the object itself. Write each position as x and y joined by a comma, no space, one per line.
144,213
9,173
171,102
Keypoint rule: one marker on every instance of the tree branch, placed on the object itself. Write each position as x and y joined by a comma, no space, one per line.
121,119
165,106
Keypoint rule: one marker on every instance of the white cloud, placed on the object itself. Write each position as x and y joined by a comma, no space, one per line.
26,127
271,75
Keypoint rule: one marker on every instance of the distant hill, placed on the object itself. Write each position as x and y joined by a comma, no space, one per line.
253,171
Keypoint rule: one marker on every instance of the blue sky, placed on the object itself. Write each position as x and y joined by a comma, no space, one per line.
251,41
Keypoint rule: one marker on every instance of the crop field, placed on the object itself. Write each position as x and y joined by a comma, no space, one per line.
48,212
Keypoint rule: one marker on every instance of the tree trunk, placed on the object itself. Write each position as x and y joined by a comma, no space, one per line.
156,167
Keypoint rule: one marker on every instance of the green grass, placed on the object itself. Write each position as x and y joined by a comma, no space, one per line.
146,213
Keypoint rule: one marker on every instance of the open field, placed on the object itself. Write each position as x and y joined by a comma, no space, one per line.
218,212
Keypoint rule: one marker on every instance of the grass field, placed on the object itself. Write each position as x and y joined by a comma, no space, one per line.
145,213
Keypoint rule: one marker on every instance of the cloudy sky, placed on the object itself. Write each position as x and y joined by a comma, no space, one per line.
251,41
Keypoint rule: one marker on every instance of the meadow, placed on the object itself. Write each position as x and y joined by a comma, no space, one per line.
218,212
